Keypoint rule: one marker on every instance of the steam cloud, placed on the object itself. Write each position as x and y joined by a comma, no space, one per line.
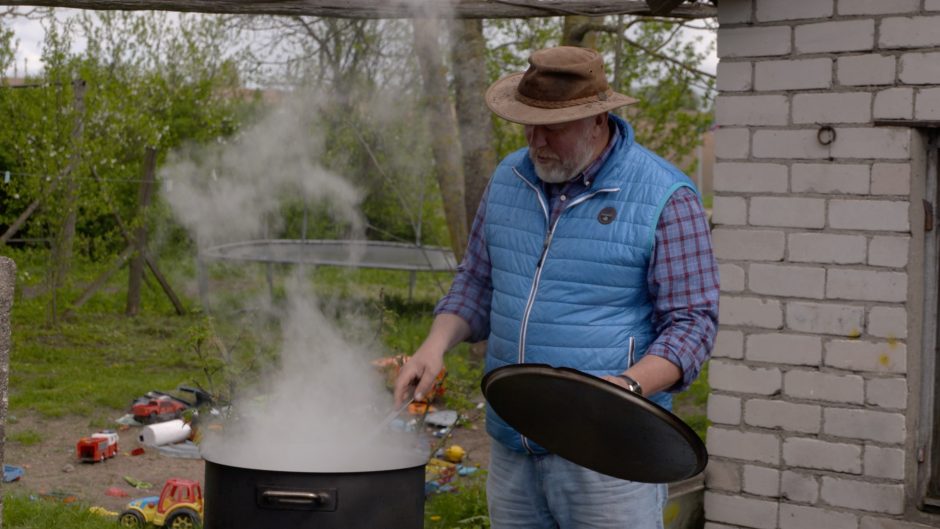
320,410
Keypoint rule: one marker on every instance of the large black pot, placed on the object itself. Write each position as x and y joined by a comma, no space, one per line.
250,498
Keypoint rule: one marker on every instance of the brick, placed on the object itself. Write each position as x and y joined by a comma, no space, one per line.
880,142
828,37
724,409
800,144
748,311
736,12
726,376
784,280
825,318
909,32
928,104
735,76
884,427
887,392
932,5
894,103
748,446
877,7
826,248
723,475
729,210
866,285
753,42
738,510
822,455
731,143
750,245
866,70
887,322
878,215
788,212
884,462
863,496
890,179
869,522
768,10
830,178
752,110
841,107
761,481
732,277
742,177
796,486
888,251
728,344
920,68
801,74
860,355
829,387
791,349
804,517
782,415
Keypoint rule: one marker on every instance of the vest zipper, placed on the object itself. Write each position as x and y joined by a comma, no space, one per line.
631,350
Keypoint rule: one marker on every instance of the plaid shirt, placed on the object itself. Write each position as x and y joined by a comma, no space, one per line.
682,275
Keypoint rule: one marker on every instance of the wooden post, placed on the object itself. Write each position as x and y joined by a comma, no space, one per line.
136,270
7,281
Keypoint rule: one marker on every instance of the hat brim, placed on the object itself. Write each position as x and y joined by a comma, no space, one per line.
501,98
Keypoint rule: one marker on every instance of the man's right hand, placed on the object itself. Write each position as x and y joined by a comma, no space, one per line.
422,369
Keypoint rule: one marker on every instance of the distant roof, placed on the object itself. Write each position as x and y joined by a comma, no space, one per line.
386,9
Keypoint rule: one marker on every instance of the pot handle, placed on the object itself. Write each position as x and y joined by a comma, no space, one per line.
303,500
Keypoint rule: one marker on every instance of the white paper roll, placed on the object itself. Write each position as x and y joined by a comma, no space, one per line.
165,433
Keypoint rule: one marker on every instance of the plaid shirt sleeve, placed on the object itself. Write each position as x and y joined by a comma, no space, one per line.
683,284
471,293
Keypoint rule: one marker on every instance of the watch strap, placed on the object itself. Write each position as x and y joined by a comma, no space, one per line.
632,384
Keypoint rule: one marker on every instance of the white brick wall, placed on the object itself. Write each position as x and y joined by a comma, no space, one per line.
732,277
867,285
724,409
737,76
863,496
879,142
920,68
761,481
797,486
894,103
909,32
737,510
753,42
883,462
752,110
793,74
889,251
788,144
830,178
825,318
826,37
878,215
735,143
742,177
782,415
839,107
783,280
793,349
730,211
802,517
877,7
887,392
736,12
753,245
742,379
747,446
871,69
928,104
887,322
868,425
831,387
770,10
860,355
728,344
890,179
826,248
823,455
788,212
755,312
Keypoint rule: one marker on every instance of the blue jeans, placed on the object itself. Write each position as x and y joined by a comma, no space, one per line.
550,492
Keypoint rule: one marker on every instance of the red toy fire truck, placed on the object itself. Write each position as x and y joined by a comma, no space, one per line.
98,447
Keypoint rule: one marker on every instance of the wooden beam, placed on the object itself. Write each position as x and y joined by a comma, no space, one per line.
662,8
386,9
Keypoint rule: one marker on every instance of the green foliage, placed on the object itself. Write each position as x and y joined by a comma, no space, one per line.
27,512
464,509
690,404
26,438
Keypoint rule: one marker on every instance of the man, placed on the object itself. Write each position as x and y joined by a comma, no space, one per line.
588,251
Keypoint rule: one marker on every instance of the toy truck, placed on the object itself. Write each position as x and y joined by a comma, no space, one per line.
97,447
158,407
179,506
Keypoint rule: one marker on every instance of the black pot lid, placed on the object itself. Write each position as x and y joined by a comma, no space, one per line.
595,423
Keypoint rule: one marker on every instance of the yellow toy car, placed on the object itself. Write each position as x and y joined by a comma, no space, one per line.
179,506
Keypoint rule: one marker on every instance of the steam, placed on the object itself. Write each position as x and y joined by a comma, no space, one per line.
320,408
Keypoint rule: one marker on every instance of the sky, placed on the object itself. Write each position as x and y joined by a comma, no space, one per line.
30,35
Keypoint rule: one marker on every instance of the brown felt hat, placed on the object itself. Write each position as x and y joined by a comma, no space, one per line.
562,84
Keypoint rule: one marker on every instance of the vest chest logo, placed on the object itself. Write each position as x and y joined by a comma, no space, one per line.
607,215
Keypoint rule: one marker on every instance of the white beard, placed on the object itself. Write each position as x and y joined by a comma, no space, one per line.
557,171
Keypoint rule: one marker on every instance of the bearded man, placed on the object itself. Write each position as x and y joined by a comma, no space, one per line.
588,251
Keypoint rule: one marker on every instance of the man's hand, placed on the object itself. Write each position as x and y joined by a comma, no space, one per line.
418,374
420,371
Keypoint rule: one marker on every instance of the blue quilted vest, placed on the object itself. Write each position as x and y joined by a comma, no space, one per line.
575,294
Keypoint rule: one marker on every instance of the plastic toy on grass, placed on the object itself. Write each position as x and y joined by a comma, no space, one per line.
179,506
157,407
98,447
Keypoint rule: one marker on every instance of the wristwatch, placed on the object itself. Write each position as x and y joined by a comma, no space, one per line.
632,384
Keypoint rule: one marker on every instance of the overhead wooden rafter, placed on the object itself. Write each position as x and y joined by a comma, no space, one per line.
398,8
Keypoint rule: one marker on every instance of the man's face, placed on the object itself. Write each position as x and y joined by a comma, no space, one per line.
561,151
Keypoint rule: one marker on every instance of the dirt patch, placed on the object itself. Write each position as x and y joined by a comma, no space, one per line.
51,467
